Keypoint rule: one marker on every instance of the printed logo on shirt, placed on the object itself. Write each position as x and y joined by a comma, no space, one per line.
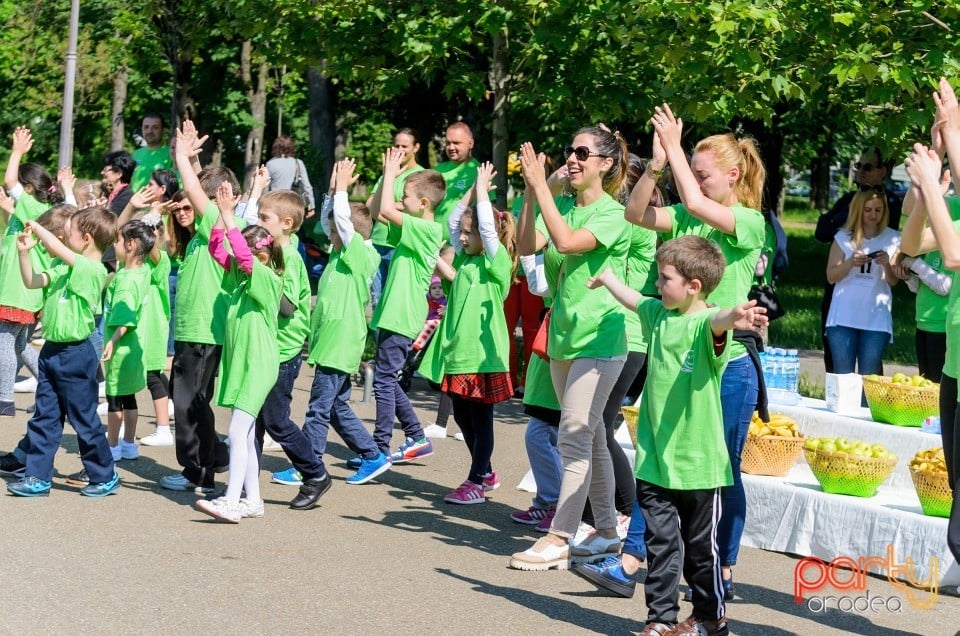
687,366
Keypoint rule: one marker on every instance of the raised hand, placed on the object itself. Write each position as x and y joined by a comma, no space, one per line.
948,110
923,164
26,240
22,140
532,165
261,179
749,316
66,179
668,127
392,162
189,143
6,203
225,199
142,197
485,175
343,174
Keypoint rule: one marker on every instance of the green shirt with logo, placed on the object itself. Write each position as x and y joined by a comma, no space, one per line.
72,298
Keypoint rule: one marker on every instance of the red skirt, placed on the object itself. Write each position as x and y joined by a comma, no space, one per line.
18,316
485,388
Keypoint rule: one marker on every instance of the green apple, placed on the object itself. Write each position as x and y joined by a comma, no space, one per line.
812,443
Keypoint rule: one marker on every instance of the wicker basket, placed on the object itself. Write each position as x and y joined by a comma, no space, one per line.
900,404
844,474
933,491
770,455
630,415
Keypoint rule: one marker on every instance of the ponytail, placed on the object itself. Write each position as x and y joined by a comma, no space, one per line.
728,151
612,145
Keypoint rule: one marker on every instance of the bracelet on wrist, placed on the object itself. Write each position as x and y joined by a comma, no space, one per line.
654,171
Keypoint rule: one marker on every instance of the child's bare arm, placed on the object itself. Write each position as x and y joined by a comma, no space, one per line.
625,295
52,244
389,210
747,316
31,280
188,147
22,143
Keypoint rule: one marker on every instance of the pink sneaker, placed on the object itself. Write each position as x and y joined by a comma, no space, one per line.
544,525
491,481
468,493
531,516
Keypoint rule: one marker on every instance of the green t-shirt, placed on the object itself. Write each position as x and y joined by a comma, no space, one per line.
13,293
203,288
338,324
643,245
154,324
72,298
403,305
473,333
293,331
148,160
538,388
459,178
741,251
583,323
932,307
680,442
250,362
951,365
379,233
126,372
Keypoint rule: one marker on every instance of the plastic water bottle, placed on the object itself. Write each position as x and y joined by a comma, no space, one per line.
776,369
792,370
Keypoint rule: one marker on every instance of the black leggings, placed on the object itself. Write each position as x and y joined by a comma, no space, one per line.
476,423
949,418
625,483
443,408
931,353
158,384
118,403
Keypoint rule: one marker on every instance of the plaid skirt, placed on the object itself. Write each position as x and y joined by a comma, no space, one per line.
16,315
485,388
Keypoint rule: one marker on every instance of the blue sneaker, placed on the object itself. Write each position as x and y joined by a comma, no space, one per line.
288,477
609,575
102,490
30,487
370,468
412,449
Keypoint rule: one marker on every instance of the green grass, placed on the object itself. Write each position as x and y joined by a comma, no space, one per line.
801,288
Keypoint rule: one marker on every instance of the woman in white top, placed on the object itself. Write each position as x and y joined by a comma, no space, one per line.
284,168
860,322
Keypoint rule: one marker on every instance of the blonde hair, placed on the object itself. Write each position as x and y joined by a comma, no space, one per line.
728,151
286,204
854,222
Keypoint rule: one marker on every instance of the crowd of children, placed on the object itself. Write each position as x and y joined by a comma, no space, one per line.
676,316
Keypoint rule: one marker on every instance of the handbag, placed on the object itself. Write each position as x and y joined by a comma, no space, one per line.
766,297
543,335
297,185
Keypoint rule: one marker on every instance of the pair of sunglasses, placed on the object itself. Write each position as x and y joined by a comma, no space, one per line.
866,167
582,153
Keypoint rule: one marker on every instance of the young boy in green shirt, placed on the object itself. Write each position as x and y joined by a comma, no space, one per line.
67,383
681,460
403,306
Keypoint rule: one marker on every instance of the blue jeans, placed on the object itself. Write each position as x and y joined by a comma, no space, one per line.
275,419
541,442
328,407
67,387
738,399
380,276
859,350
634,544
392,402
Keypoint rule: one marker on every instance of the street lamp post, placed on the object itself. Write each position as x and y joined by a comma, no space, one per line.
70,72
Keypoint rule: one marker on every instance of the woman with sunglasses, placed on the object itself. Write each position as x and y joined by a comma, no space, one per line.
720,192
587,342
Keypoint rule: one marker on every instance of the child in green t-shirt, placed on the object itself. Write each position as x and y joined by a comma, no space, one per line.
123,349
473,338
32,191
251,359
681,460
67,383
403,306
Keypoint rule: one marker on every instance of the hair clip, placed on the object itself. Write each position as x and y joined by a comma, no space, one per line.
52,189
153,219
261,243
501,214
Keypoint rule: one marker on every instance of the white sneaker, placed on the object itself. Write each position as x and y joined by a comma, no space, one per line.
26,386
102,391
162,437
102,408
458,436
220,508
129,450
250,508
270,446
170,409
435,432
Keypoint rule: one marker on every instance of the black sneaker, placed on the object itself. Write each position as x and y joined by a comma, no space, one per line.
10,465
78,479
310,492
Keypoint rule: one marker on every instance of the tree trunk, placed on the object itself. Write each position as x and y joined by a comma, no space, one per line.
322,104
500,86
820,173
257,95
770,142
116,111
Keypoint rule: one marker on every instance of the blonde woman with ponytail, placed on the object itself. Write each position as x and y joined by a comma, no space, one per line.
720,190
587,342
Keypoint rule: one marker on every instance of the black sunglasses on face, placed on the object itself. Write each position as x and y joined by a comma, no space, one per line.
582,152
866,167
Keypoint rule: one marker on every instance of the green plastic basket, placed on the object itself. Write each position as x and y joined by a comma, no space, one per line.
844,474
900,404
933,491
